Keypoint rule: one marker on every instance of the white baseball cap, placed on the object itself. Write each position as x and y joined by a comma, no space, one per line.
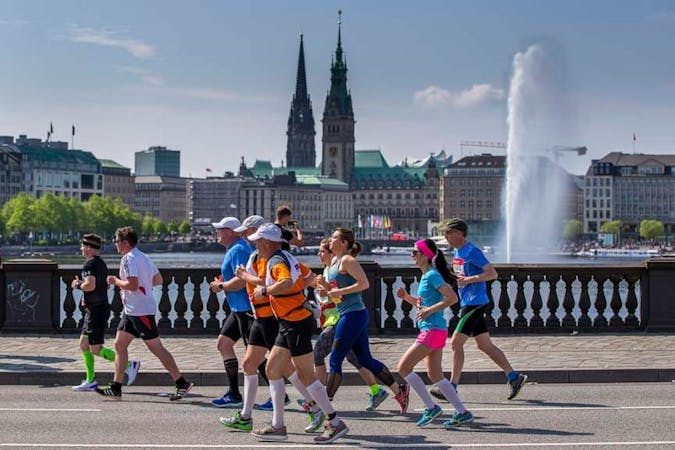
267,231
227,222
250,222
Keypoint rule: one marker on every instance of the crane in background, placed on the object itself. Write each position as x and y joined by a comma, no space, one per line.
556,151
479,144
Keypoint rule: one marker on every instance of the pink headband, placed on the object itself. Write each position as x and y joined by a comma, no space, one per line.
424,248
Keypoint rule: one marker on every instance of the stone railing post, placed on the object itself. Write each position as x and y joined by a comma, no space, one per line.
372,295
660,295
31,295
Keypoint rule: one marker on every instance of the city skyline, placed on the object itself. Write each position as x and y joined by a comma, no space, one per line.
217,78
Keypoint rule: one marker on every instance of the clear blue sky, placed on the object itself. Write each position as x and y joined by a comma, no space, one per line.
214,79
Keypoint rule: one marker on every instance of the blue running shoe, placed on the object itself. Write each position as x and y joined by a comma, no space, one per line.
458,419
429,415
376,400
267,405
227,401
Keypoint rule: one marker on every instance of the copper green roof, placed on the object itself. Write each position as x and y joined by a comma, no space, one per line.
313,180
369,158
110,164
264,169
60,157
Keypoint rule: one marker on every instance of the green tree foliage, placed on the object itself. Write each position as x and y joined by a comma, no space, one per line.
184,227
651,229
18,214
573,229
159,227
148,225
173,227
611,226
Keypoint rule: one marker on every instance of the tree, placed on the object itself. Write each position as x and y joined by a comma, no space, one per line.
173,227
159,227
184,227
573,229
651,229
611,226
147,225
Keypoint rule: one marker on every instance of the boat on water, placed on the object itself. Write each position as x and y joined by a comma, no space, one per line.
618,253
392,250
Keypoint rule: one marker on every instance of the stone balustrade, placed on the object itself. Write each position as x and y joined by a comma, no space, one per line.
526,298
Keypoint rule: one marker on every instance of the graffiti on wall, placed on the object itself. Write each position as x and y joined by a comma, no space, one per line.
22,302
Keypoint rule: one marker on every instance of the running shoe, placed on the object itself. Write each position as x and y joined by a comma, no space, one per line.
429,415
516,385
270,434
376,400
237,423
267,405
458,419
227,401
86,386
181,392
316,419
132,371
403,398
332,433
109,392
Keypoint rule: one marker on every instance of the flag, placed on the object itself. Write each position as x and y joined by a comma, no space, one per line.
634,138
208,169
360,223
73,133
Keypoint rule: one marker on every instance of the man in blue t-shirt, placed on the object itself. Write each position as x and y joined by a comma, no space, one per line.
473,270
238,323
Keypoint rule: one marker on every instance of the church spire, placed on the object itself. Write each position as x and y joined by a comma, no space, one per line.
300,147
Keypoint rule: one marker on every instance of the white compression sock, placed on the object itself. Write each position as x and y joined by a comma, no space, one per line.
250,390
451,395
320,396
418,386
278,392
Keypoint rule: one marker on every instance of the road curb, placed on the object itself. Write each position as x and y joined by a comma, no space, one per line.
352,378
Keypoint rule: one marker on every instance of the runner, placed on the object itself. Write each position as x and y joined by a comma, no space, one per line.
346,280
238,322
137,276
435,294
96,313
324,343
473,270
284,284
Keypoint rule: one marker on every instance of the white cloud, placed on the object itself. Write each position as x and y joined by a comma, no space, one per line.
478,94
136,48
145,75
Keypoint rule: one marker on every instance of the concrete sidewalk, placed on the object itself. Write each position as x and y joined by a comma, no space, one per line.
580,358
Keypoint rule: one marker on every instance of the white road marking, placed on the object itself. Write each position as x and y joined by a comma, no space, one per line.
561,408
372,445
51,409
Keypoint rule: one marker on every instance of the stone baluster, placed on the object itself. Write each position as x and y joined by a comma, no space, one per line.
69,306
615,303
180,306
212,306
584,301
165,305
389,303
552,303
520,303
536,303
504,320
600,320
568,301
196,305
631,301
489,320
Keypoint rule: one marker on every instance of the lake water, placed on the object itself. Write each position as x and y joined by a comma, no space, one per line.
214,259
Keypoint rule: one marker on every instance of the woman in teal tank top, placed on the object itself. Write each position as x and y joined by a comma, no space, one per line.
346,280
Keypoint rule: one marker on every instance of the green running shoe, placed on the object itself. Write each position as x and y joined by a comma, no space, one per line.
237,423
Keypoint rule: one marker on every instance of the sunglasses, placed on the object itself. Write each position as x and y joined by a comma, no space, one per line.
414,252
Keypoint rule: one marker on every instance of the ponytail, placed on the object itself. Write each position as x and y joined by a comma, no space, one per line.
439,262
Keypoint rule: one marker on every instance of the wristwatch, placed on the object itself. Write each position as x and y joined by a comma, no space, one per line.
264,291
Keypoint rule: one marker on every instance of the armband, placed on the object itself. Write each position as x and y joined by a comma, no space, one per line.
264,291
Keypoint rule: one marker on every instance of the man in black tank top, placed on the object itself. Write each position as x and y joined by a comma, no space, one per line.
96,312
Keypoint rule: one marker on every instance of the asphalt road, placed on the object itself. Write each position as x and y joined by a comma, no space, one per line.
640,415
